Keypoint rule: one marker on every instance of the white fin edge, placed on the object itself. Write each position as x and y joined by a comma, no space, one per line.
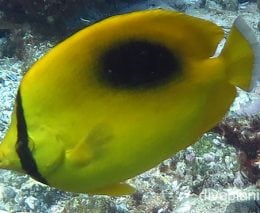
248,33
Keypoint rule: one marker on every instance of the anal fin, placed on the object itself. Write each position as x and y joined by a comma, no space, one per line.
117,189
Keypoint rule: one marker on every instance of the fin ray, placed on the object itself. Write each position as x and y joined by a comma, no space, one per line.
90,147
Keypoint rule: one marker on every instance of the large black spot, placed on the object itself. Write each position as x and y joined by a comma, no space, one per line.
139,64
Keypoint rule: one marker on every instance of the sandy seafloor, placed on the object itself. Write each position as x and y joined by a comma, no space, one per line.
203,178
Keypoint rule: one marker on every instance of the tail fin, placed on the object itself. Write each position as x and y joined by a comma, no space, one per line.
242,56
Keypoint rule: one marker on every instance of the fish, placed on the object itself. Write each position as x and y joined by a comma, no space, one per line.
120,96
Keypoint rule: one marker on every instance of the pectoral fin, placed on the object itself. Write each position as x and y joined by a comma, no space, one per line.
90,147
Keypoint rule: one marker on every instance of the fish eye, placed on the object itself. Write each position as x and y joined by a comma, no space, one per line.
139,64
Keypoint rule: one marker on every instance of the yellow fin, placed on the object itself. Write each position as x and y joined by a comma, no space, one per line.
90,147
242,56
117,189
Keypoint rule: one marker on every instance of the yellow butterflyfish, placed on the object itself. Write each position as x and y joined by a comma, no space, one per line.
122,95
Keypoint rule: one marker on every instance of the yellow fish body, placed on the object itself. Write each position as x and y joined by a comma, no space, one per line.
122,95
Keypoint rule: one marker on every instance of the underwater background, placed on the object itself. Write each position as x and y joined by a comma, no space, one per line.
220,173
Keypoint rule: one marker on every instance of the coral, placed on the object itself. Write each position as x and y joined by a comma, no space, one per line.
244,135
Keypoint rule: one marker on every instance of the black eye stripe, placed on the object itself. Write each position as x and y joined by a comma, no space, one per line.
139,64
22,145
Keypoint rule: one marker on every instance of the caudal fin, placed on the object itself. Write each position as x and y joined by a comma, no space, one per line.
242,56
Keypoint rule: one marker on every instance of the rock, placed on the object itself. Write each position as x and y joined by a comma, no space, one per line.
186,205
244,206
213,5
31,202
230,5
8,193
209,157
258,26
239,180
